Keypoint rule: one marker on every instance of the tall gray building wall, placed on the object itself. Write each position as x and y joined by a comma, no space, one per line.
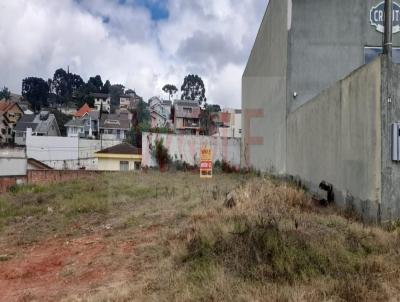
302,48
390,111
334,130
264,93
336,137
326,43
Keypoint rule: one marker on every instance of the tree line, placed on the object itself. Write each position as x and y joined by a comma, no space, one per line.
67,87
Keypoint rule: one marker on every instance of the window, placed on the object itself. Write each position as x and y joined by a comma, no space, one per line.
187,110
124,165
370,53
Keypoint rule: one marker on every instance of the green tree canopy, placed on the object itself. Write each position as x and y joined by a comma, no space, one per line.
170,89
193,89
106,87
35,91
95,83
5,93
65,85
115,92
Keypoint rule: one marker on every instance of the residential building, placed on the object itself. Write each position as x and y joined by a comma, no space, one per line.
42,124
68,109
25,105
10,114
187,117
227,123
102,102
160,113
129,101
114,126
85,124
81,112
123,157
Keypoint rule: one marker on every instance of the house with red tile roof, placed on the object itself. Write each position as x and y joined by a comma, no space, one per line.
10,113
85,109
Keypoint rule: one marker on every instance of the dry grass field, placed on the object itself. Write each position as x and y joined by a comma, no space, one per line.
168,237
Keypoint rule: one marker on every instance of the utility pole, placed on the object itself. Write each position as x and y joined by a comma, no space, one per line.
388,35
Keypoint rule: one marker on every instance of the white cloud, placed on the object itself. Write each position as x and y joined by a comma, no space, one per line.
123,44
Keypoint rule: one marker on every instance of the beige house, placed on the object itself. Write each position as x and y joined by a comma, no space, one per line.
187,117
122,157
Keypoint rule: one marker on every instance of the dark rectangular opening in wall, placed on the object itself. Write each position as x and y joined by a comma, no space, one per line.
370,53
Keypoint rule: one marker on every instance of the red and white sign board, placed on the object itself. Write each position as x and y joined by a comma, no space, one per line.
206,162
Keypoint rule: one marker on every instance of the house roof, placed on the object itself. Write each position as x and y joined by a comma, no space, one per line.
123,148
186,103
114,121
39,123
38,164
83,111
78,122
25,122
166,103
5,106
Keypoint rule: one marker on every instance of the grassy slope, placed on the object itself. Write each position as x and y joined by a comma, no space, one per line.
274,246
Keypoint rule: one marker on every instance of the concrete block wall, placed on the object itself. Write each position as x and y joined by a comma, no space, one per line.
336,137
187,148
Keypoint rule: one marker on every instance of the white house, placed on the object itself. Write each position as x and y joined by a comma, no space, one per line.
102,102
160,113
114,126
230,123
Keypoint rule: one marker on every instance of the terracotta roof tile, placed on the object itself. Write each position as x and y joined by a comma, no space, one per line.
6,105
83,110
121,149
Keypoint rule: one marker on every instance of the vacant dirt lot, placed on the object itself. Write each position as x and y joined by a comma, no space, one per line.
75,240
168,237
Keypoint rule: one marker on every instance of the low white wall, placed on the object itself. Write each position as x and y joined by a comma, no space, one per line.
13,166
71,153
187,148
15,152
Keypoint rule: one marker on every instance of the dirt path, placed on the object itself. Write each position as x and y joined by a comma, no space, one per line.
55,268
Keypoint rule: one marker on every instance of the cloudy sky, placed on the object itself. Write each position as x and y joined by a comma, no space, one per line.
142,44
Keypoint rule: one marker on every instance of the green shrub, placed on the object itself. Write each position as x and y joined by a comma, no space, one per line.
161,154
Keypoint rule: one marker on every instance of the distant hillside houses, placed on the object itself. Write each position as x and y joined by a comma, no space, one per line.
42,124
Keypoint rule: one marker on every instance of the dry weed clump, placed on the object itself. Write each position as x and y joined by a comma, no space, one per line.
276,235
